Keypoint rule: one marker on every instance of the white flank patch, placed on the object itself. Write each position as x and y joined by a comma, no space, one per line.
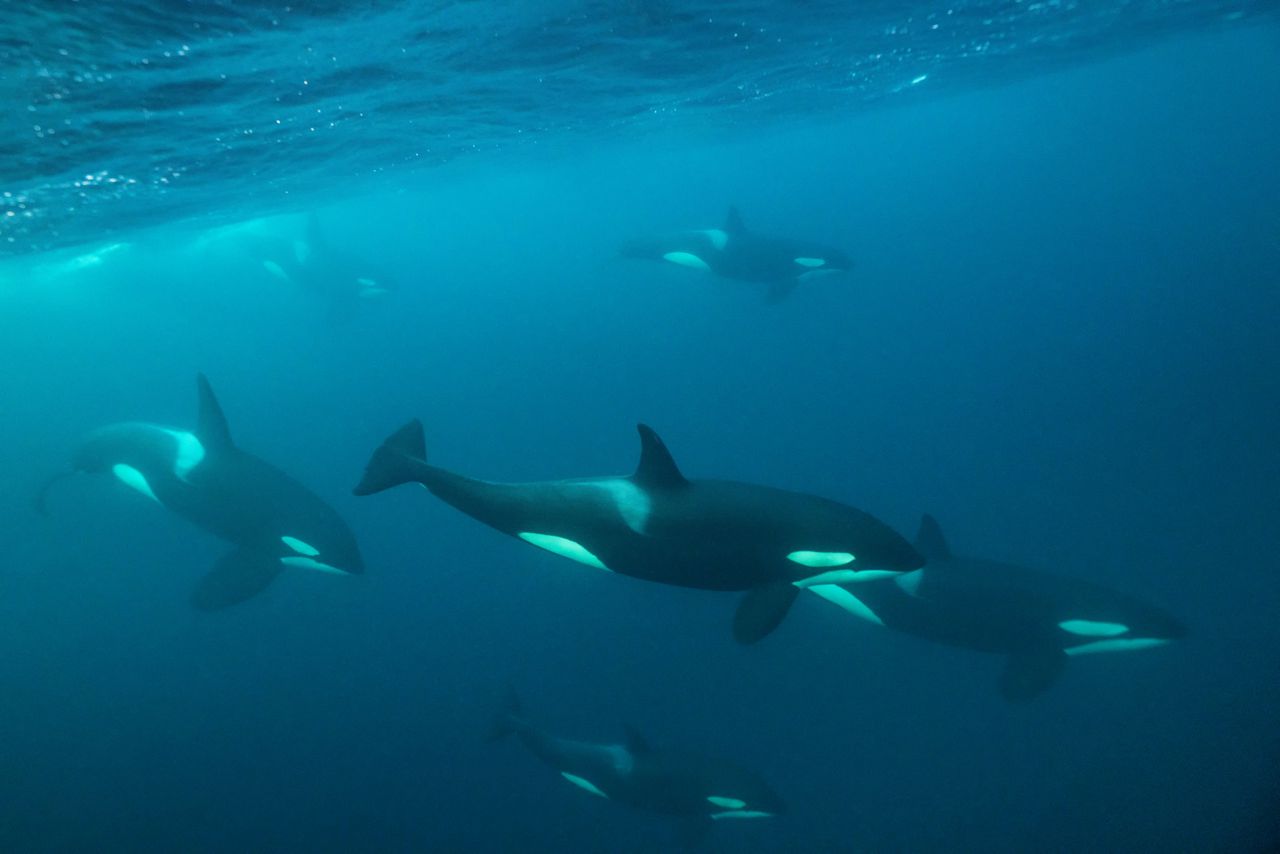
810,262
687,259
632,502
1115,645
133,479
718,237
806,558
565,548
301,251
727,803
1093,628
583,784
189,454
839,596
300,547
310,563
741,814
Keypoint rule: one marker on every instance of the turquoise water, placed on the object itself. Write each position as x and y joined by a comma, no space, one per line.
1058,337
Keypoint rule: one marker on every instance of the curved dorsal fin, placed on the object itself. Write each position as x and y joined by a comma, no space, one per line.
733,221
636,742
211,424
656,469
929,540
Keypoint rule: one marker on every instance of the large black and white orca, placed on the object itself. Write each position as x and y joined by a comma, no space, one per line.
697,789
734,252
274,521
658,526
341,280
1037,620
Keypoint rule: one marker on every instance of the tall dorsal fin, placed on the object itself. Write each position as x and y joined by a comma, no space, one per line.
929,540
656,469
636,742
733,221
211,424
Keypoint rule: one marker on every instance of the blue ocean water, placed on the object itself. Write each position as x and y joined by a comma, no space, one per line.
1059,338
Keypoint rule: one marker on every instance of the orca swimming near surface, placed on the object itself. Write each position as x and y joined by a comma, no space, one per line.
734,252
657,525
274,521
1038,621
699,790
315,265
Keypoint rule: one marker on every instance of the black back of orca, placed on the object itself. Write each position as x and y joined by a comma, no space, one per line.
659,526
678,783
200,475
1036,619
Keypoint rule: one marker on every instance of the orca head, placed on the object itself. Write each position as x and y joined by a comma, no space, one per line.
372,284
819,262
1118,629
745,796
325,547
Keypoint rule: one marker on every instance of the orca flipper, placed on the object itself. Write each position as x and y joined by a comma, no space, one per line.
762,610
400,458
780,290
236,577
929,540
1030,673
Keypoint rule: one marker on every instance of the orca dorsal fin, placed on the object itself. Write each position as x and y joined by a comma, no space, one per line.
656,469
733,221
929,540
636,742
211,424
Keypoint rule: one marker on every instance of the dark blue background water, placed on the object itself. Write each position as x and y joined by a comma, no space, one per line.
1060,340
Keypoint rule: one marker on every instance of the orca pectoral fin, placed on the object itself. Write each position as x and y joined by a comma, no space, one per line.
692,831
762,610
779,291
1028,674
237,576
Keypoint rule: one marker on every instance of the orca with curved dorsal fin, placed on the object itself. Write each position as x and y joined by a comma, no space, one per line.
273,520
734,252
658,525
696,789
1036,620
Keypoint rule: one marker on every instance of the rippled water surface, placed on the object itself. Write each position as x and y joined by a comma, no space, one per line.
124,114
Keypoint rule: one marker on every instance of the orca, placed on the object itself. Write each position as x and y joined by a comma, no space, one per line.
273,521
733,252
658,526
1036,620
696,789
341,280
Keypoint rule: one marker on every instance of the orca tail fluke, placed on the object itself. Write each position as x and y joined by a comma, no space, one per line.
399,459
507,721
40,501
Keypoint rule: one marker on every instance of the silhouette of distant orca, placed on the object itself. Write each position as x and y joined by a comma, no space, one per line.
1037,620
695,788
313,264
656,525
273,520
736,253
